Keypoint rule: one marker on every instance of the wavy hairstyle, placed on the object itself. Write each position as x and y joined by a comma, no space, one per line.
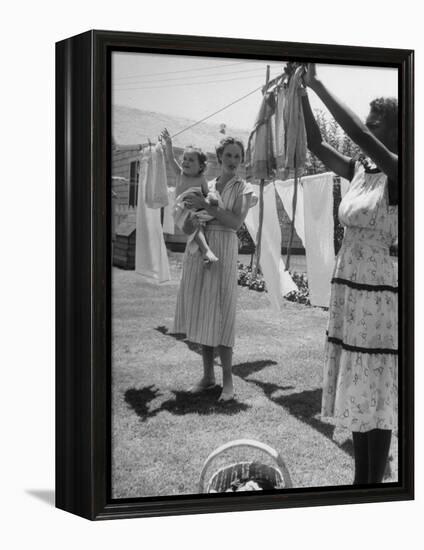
229,141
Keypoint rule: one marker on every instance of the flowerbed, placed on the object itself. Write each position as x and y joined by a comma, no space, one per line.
247,278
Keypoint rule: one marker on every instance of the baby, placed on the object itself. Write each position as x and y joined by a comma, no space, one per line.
190,179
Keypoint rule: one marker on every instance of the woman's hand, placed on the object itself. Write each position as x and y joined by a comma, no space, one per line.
195,201
310,77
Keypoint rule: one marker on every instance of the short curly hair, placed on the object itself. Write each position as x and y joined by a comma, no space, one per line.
201,156
387,108
229,141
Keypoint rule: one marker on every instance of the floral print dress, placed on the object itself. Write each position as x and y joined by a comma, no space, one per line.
361,366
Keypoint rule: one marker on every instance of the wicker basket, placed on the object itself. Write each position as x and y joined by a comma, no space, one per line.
267,477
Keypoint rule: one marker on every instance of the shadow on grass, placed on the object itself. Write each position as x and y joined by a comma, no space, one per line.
139,399
203,403
305,406
197,348
243,370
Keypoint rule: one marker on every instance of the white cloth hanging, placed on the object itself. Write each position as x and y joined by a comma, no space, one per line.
156,184
278,281
344,186
285,190
315,212
168,219
151,258
319,235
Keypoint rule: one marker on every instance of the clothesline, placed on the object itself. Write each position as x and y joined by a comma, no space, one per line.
217,112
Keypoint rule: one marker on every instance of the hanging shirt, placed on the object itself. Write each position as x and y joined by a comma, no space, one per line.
290,126
278,281
151,258
156,184
260,158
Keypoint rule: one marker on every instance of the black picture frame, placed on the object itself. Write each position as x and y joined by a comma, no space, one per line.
83,333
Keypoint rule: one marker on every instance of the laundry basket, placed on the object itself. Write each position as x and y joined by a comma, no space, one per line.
265,476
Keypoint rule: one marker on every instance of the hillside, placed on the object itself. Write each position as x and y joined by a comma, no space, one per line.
133,126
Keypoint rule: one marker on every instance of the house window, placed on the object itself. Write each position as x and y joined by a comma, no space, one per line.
133,191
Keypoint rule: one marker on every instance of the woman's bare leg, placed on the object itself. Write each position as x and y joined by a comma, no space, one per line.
226,355
208,378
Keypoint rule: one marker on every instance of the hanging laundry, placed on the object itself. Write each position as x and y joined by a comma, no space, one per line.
319,235
260,157
278,281
295,129
151,258
285,190
290,132
168,219
280,131
156,184
315,226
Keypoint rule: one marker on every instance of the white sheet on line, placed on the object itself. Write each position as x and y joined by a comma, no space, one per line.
285,191
151,258
318,230
156,191
278,281
168,219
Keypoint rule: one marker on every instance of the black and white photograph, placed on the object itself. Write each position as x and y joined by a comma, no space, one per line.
254,275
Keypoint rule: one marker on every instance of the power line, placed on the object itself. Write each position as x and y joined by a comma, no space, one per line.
185,70
189,83
158,81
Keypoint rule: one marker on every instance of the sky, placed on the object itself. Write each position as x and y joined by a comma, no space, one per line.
195,87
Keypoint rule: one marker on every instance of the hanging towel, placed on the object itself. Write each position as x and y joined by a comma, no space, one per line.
285,190
319,235
280,131
156,183
168,220
315,227
260,156
151,259
278,281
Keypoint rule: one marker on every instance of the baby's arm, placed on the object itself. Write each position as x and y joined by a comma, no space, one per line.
169,152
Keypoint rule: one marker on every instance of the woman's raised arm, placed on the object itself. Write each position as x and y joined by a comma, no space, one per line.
353,126
335,161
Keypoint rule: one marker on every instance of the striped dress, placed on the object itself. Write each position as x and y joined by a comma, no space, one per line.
206,302
361,365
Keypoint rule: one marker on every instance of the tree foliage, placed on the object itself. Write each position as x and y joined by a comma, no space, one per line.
334,136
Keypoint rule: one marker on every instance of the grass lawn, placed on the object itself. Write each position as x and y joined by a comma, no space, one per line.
162,434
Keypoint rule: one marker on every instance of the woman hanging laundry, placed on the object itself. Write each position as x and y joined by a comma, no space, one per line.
361,364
